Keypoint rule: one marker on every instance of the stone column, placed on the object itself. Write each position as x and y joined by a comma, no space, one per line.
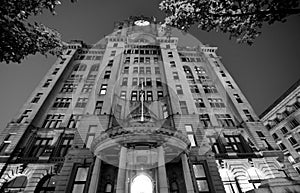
122,171
95,176
187,174
162,174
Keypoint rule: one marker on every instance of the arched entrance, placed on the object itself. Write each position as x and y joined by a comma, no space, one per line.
141,184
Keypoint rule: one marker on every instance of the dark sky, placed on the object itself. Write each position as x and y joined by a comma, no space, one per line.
263,71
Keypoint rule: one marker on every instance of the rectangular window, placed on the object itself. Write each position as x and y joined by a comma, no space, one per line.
103,89
110,63
175,75
190,134
134,95
194,89
172,64
37,98
134,81
53,121
147,59
282,146
165,110
158,82
142,70
124,81
293,123
229,84
248,115
47,83
41,147
284,130
69,88
199,103
155,60
148,82
98,108
135,60
81,102
222,73
87,88
107,74
126,70
127,60
209,89
237,98
157,71
55,71
201,178
62,102
65,145
260,134
90,135
135,70
292,141
183,107
234,144
148,70
170,54
115,45
205,120
149,96
74,121
225,120
113,53
179,89
216,102
91,77
80,179
142,59
275,136
160,94
123,94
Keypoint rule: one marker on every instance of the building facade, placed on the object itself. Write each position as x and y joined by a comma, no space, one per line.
140,111
282,119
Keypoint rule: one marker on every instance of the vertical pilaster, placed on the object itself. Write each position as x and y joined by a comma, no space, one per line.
162,174
95,176
187,174
122,171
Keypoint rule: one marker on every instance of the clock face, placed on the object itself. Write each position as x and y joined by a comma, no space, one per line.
141,23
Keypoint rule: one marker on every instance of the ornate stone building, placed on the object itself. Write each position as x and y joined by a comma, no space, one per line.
282,119
146,109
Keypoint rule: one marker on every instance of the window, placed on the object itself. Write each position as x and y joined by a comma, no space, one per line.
82,67
69,88
142,59
142,70
284,130
201,178
65,145
79,182
281,146
135,60
75,77
134,81
199,70
53,121
55,71
194,89
37,98
123,94
170,54
190,134
210,89
148,82
135,70
115,45
134,95
179,89
126,70
113,53
87,88
229,84
155,60
81,102
248,115
14,186
199,103
94,68
183,107
216,102
147,59
41,147
205,120
158,82
157,71
275,136
222,73
292,141
175,75
237,98
46,184
172,64
293,123
225,120
149,96
234,144
47,83
148,70
110,63
74,121
160,94
107,74
165,110
98,108
103,89
127,60
124,81
90,135
62,102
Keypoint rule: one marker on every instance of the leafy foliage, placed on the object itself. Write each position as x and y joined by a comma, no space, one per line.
242,19
19,38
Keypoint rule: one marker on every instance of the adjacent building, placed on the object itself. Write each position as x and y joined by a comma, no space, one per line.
142,110
282,119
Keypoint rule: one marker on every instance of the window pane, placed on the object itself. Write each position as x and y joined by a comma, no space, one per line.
192,140
78,188
202,185
81,174
199,171
89,141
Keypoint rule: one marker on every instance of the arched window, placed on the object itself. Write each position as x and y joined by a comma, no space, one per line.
46,185
16,185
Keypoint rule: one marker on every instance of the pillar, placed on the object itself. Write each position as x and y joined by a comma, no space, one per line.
95,176
187,174
122,171
162,174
